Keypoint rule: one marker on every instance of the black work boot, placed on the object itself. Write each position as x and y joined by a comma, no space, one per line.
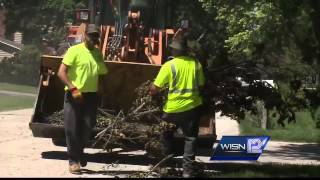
83,162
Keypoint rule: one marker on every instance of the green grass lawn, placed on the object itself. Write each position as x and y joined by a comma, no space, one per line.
15,102
304,130
245,170
18,88
265,170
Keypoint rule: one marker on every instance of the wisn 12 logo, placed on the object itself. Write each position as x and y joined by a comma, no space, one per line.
247,148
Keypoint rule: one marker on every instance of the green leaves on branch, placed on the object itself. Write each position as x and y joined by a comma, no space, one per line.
247,23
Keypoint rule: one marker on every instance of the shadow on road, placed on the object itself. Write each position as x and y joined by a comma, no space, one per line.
111,157
296,151
212,169
221,169
105,158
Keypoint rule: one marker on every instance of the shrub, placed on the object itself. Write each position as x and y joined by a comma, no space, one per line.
22,69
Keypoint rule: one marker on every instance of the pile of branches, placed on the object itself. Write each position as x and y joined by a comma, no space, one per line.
141,126
104,117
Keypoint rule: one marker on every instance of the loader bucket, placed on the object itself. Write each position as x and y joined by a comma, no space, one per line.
119,85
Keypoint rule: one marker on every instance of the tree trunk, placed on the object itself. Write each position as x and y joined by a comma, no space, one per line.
263,114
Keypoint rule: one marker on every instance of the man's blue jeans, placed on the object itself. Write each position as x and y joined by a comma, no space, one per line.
79,120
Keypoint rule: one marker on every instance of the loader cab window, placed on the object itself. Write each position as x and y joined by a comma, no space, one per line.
84,16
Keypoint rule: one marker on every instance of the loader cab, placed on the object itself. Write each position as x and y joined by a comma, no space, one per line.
82,16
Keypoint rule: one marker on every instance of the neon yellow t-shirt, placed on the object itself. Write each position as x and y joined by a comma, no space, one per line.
85,66
184,76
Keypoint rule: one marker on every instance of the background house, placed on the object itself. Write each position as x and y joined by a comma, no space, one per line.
9,48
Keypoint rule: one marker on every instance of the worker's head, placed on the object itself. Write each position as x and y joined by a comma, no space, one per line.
177,48
92,36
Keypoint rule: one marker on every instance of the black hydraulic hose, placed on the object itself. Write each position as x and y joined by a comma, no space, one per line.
113,37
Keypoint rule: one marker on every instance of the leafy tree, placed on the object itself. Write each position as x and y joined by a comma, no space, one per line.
37,19
14,70
258,40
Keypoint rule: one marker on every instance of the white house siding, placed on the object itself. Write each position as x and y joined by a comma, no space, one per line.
4,54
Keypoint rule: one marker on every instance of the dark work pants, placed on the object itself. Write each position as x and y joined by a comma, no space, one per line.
79,119
188,121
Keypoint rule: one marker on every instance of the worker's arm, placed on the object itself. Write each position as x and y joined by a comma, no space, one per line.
161,80
154,89
67,62
63,75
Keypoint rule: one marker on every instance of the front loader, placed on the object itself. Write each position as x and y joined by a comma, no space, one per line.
134,43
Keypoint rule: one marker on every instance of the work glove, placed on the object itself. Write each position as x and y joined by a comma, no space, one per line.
76,94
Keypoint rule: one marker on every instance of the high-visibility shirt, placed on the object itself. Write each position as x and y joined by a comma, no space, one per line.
184,76
84,67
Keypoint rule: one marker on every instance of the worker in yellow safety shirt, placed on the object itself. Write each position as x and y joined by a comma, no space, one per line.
185,79
79,71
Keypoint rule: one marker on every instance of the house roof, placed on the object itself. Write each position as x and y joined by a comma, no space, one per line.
11,44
